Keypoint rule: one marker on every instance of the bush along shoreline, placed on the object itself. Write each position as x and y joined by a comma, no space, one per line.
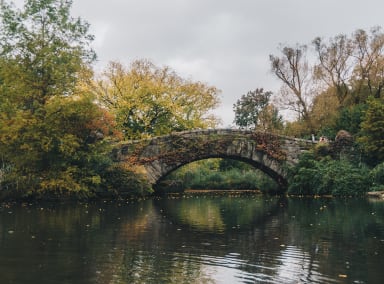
335,169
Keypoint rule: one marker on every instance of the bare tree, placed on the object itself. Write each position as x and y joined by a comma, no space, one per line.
293,70
369,55
335,65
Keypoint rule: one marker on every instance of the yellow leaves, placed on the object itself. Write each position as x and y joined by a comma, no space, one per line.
84,76
151,100
68,144
62,182
95,179
324,109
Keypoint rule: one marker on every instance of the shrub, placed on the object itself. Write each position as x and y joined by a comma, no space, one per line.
336,177
124,182
343,178
304,182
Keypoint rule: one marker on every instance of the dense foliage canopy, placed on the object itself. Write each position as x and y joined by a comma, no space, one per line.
52,135
148,100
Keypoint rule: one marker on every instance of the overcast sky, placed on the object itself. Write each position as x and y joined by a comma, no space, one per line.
224,43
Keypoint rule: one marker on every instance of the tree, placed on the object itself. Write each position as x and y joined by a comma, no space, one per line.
369,67
52,135
253,110
249,106
294,71
351,67
335,64
148,100
270,119
324,111
46,47
372,129
350,118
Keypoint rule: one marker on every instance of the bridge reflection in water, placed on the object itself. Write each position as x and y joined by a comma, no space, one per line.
218,212
194,239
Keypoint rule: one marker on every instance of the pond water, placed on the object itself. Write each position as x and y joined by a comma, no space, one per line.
195,238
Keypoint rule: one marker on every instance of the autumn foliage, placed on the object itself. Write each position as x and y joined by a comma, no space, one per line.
58,121
52,134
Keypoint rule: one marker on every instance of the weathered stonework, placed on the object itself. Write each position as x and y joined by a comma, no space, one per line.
162,155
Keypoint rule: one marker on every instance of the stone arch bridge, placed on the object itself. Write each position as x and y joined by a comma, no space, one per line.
157,157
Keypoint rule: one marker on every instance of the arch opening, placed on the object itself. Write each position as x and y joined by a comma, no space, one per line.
220,173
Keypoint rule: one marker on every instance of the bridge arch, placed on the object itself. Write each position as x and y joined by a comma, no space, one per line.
277,176
159,156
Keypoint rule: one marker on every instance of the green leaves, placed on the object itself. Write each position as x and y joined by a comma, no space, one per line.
372,129
45,47
51,131
249,106
329,177
254,110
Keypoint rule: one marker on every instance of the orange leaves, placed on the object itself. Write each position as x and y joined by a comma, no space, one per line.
105,124
270,144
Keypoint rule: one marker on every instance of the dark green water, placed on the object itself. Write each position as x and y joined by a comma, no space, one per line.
194,239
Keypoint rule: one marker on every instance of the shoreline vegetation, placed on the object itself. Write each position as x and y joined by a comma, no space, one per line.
59,119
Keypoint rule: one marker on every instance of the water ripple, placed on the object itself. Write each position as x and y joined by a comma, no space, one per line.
292,265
